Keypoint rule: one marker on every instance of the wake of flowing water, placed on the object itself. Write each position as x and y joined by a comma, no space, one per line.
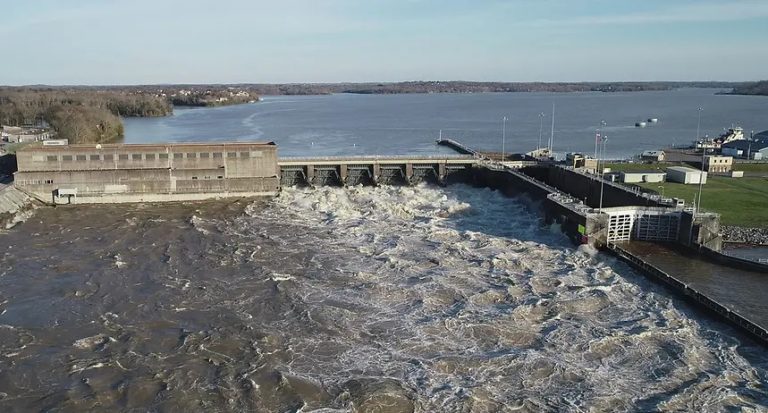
386,299
462,297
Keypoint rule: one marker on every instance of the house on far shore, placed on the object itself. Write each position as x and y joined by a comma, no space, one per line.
656,156
19,134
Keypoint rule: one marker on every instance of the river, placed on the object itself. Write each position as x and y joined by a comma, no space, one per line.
376,299
348,124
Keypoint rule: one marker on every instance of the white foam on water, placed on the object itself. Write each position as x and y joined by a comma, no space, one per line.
463,296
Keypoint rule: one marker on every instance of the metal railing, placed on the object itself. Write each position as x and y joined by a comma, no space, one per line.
374,158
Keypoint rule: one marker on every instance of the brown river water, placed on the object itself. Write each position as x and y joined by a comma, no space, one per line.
388,299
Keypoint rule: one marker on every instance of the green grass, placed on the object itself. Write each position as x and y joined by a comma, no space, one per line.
629,167
637,166
739,201
751,167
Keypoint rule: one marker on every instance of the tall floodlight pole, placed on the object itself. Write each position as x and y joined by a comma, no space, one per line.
703,155
698,125
597,136
604,140
503,136
541,129
552,132
695,203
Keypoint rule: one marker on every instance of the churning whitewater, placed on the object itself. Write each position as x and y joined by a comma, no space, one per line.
386,299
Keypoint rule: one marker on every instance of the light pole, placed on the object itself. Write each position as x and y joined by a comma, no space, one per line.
662,190
541,129
698,125
603,140
703,155
597,136
503,136
695,203
552,134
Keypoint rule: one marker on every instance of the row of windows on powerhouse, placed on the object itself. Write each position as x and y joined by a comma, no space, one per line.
50,181
150,156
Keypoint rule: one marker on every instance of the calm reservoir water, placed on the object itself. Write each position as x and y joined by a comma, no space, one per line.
348,124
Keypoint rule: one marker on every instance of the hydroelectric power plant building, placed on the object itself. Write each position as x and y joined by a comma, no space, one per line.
147,172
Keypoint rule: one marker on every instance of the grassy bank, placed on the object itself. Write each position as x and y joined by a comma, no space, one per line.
740,201
632,167
751,167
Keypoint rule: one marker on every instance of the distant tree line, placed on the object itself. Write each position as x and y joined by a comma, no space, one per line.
82,116
752,88
91,114
256,89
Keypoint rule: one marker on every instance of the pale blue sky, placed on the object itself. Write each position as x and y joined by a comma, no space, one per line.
258,41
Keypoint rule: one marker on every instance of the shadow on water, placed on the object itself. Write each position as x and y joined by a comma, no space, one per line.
517,217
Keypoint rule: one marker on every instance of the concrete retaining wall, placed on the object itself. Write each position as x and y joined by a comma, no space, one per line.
587,187
730,261
513,183
676,285
12,201
177,197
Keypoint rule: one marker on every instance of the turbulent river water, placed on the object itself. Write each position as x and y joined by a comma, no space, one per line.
388,299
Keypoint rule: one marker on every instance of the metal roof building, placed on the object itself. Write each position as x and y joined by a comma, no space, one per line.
751,149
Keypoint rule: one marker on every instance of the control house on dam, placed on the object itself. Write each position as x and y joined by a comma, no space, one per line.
147,172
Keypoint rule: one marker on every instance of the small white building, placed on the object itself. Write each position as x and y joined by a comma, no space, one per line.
634,177
686,175
656,156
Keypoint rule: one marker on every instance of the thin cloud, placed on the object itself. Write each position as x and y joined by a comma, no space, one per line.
692,14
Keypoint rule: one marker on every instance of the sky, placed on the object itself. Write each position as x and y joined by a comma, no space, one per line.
65,42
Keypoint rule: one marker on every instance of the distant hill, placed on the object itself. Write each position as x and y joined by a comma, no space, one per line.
453,86
755,88
456,86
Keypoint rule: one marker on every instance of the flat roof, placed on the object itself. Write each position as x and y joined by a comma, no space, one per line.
106,146
643,172
756,145
683,169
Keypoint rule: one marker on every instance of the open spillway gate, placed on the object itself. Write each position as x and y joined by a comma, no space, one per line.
374,170
642,224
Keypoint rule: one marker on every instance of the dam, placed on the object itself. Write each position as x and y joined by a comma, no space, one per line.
566,196
442,296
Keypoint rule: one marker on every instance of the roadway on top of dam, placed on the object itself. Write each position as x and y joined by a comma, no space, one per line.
385,159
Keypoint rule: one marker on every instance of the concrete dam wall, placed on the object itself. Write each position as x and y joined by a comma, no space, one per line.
12,201
587,187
